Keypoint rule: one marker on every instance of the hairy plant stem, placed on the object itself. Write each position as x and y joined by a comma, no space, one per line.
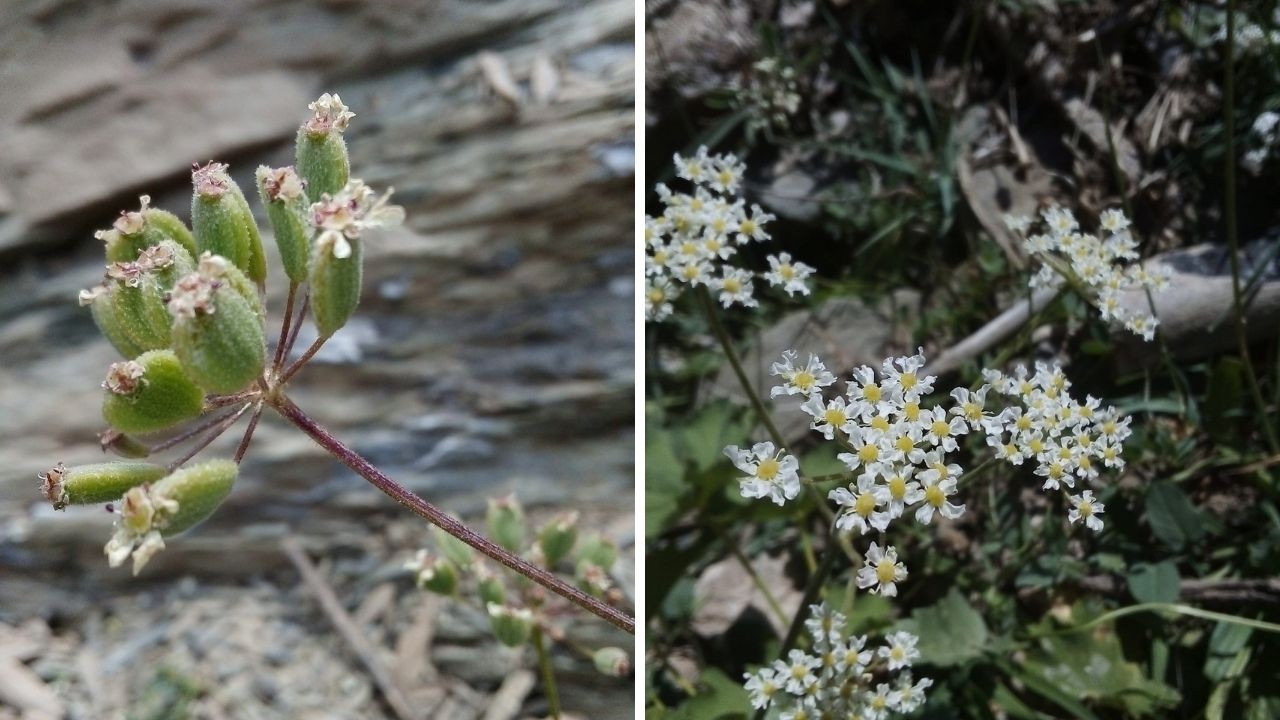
297,325
297,364
548,677
284,327
1229,201
190,432
248,433
220,427
442,520
727,344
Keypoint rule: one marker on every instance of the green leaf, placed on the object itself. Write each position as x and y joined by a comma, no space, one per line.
1172,517
1091,667
663,481
1157,582
1225,643
720,699
951,632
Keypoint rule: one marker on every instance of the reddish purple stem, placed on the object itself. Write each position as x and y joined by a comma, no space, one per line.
439,518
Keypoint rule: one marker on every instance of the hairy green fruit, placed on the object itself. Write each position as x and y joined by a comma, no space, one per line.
439,576
285,199
96,483
599,551
335,284
217,335
557,537
490,589
322,161
612,661
117,329
511,626
150,393
198,490
505,520
133,232
223,223
139,290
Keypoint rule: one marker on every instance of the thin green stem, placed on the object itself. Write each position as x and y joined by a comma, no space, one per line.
548,677
1229,201
727,344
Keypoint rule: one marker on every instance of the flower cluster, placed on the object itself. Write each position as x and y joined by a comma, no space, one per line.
1264,136
769,96
1102,263
840,676
690,243
1067,440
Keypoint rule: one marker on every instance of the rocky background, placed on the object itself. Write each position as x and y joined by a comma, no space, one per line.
492,352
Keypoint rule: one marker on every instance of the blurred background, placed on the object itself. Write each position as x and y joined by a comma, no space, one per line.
890,137
492,351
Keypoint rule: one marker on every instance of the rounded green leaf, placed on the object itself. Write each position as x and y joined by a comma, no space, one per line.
150,393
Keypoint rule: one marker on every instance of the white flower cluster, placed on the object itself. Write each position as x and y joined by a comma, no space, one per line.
1066,439
838,677
690,243
769,96
1265,138
1102,263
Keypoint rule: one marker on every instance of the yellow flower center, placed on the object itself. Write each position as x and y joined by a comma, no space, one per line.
660,257
934,496
911,411
885,571
1085,508
803,380
786,272
1036,445
732,285
834,417
747,227
904,443
880,422
688,247
940,428
872,393
799,671
908,380
865,505
656,296
943,471
1023,422
768,469
972,411
1109,427
897,653
868,453
897,487
1055,470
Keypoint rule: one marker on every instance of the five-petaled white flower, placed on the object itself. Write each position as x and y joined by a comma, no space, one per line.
1085,507
770,474
882,571
788,274
808,380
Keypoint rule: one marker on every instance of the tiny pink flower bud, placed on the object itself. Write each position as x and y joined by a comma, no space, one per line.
124,378
131,223
211,180
328,113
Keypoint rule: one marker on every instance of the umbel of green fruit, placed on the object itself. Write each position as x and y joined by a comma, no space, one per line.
172,505
223,223
321,152
96,483
285,199
217,335
135,231
149,394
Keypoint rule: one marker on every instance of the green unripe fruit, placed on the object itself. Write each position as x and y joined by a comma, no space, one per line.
139,289
599,551
557,537
133,232
511,626
217,335
97,483
150,393
114,328
322,161
198,491
612,661
335,283
489,586
122,445
286,202
439,577
505,520
216,266
223,223
458,552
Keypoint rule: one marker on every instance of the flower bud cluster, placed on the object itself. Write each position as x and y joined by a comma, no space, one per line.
840,677
769,95
691,242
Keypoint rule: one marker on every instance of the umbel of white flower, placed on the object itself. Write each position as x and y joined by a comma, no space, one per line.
693,241
1103,264
840,676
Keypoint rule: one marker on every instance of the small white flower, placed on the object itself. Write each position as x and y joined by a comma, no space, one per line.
904,374
882,572
345,216
901,650
751,227
1087,508
658,293
828,417
329,112
761,687
770,474
798,671
907,697
862,507
787,274
936,489
734,286
807,381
